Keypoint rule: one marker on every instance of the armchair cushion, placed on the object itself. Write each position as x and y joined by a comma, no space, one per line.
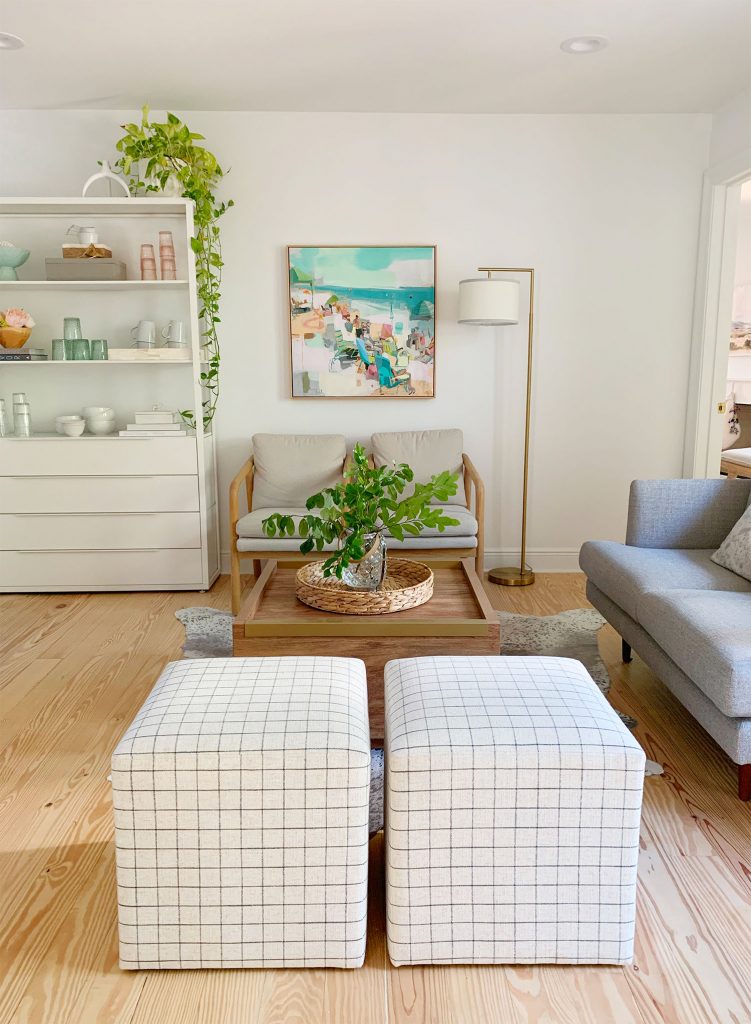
291,467
427,451
250,526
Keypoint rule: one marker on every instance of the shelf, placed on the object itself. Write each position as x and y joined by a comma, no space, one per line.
98,362
63,206
95,286
54,436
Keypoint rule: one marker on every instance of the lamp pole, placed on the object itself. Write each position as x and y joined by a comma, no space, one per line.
521,576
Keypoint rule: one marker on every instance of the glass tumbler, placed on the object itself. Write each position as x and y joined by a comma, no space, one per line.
72,328
99,348
59,349
22,419
80,349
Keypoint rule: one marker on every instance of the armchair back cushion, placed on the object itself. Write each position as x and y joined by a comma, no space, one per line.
291,467
428,452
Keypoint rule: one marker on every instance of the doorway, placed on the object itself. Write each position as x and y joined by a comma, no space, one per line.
736,441
722,317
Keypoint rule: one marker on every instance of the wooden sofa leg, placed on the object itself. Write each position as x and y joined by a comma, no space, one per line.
257,566
625,652
744,781
235,581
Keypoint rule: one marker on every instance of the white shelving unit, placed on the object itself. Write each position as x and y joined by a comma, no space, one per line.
105,513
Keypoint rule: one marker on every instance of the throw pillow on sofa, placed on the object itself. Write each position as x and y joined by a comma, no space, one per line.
735,551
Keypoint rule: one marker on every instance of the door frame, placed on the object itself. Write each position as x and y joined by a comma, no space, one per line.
713,301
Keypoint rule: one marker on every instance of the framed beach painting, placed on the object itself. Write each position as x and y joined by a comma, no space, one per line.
362,321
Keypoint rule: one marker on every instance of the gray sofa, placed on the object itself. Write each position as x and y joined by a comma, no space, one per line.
686,617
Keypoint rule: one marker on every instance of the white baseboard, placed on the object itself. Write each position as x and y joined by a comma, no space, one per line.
540,559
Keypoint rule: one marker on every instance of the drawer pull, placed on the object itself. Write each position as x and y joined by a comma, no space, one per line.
81,476
93,515
85,551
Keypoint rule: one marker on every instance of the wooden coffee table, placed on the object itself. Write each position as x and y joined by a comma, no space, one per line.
458,619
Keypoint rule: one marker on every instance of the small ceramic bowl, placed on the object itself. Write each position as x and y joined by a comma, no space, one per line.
100,425
14,337
99,412
74,427
60,422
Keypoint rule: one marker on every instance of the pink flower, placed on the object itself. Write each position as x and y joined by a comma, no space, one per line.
17,318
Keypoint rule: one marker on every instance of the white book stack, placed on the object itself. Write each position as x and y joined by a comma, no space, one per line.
154,424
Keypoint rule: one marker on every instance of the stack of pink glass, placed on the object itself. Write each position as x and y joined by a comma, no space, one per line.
148,262
167,256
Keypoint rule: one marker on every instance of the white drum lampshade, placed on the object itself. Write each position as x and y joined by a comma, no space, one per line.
488,302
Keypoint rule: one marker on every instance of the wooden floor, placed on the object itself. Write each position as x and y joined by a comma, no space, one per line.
75,669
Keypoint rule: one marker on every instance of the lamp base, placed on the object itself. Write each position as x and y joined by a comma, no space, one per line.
512,576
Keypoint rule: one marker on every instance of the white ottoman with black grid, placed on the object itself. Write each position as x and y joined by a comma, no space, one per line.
513,798
240,794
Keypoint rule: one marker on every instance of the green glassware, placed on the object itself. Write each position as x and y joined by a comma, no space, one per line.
59,349
80,348
99,348
72,328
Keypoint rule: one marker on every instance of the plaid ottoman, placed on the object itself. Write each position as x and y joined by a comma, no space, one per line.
513,798
240,794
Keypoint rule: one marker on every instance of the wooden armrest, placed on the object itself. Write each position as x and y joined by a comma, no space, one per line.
244,476
471,474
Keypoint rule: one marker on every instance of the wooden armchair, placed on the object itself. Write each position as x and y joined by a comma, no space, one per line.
248,542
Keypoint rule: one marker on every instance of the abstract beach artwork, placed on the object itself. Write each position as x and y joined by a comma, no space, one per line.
362,321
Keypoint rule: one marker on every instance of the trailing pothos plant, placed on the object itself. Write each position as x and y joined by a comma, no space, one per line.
367,501
157,155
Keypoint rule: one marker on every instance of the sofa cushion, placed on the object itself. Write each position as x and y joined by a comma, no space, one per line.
291,467
251,524
735,551
623,573
740,455
428,452
708,635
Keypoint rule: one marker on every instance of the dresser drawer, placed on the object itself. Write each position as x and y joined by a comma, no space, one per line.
100,570
99,494
97,456
97,531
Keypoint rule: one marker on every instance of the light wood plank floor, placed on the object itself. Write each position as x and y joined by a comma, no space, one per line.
74,671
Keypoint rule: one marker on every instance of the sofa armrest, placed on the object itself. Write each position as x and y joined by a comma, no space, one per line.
684,513
245,476
473,479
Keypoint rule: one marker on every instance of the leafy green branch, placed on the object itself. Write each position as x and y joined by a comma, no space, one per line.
153,154
368,500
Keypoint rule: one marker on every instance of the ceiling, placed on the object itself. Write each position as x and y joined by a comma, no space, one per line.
460,56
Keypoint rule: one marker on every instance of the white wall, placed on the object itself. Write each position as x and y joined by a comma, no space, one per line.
731,129
605,207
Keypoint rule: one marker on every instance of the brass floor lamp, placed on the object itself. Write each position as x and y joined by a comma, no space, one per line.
494,302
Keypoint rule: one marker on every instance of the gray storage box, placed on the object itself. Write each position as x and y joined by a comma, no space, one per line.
85,269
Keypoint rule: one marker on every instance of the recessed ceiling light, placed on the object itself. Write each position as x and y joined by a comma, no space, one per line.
10,42
584,44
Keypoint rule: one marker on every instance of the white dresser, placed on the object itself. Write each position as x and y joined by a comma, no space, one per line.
105,513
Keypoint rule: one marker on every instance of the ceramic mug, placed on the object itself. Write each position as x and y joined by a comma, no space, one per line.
174,332
144,333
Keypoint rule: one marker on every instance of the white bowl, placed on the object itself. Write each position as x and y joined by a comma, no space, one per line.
60,421
73,428
100,412
99,425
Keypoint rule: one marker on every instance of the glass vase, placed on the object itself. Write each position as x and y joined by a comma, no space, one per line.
368,573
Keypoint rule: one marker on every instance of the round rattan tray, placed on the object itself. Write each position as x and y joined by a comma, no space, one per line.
407,584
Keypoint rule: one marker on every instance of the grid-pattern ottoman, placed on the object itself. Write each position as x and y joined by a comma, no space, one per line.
513,798
241,816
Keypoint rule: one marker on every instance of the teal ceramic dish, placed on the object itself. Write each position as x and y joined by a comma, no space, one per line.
11,257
